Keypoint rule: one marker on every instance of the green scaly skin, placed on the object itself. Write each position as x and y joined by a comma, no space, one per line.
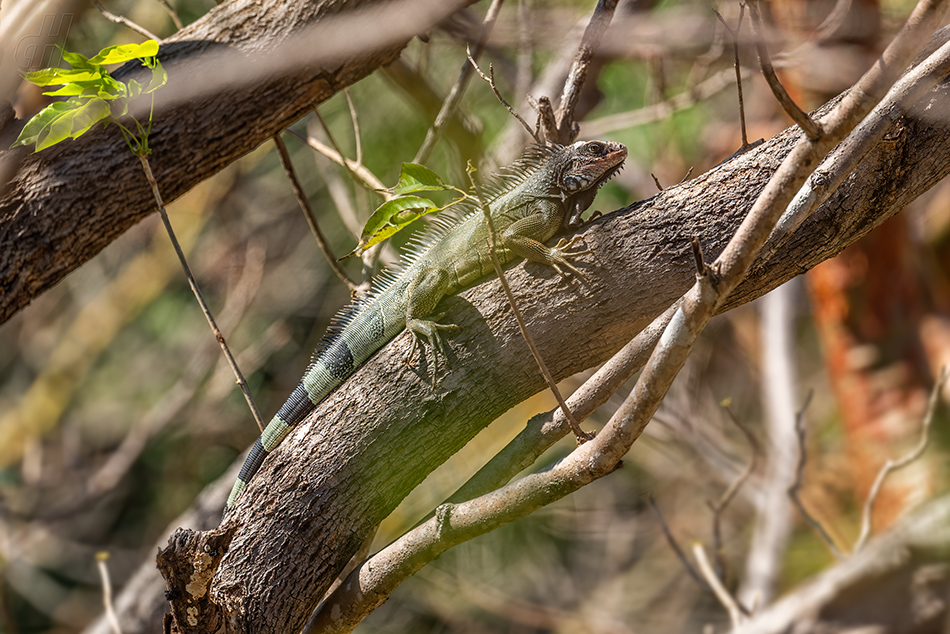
546,190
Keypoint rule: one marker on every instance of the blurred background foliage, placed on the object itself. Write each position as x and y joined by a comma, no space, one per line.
116,408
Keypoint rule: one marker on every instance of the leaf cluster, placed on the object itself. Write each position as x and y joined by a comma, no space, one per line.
93,96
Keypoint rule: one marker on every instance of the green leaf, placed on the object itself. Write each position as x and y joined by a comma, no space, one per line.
88,115
62,120
58,76
135,88
418,178
76,60
76,88
392,216
125,52
159,77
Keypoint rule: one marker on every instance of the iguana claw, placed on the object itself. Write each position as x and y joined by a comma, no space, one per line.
559,255
429,329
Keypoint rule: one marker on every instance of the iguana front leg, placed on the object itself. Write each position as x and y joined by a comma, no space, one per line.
525,237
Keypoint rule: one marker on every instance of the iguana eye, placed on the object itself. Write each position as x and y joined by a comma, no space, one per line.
595,148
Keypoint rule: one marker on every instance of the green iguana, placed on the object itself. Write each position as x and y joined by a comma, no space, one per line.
530,201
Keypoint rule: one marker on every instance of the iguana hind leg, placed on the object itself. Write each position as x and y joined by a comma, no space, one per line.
422,296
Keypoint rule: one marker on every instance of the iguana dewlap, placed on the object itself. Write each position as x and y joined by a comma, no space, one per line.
547,189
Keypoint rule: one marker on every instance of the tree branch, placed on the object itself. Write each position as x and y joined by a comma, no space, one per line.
67,203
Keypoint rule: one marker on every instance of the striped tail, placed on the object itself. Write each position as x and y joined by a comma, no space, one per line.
367,328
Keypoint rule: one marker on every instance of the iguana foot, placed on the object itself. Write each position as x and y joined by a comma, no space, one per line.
428,329
559,254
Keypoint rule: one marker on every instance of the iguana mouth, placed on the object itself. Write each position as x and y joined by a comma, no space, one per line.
610,174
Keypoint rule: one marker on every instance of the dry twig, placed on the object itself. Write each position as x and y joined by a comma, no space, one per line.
811,129
799,477
309,215
455,94
893,465
121,20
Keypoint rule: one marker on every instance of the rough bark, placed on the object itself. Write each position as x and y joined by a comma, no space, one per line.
349,465
237,76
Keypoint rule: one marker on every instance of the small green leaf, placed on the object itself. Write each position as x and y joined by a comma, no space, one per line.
125,52
58,76
159,77
76,88
76,60
135,88
88,115
392,216
62,120
418,178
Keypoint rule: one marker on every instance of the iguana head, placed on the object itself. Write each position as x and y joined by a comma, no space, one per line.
589,164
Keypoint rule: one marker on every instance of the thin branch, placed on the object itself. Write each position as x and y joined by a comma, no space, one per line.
542,431
671,540
455,94
599,21
359,172
308,213
193,284
357,139
596,128
101,559
172,14
735,50
118,19
490,78
799,478
736,616
893,465
579,433
811,129
727,496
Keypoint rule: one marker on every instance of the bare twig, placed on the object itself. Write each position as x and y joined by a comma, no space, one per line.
118,19
735,49
671,540
727,496
455,94
172,14
596,128
360,173
490,78
357,139
599,21
811,129
579,433
193,284
656,181
736,616
307,210
893,465
101,559
546,126
799,477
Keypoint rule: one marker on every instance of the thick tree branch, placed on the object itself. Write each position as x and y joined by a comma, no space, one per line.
237,76
297,524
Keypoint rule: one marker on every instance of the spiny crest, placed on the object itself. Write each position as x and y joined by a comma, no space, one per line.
510,177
